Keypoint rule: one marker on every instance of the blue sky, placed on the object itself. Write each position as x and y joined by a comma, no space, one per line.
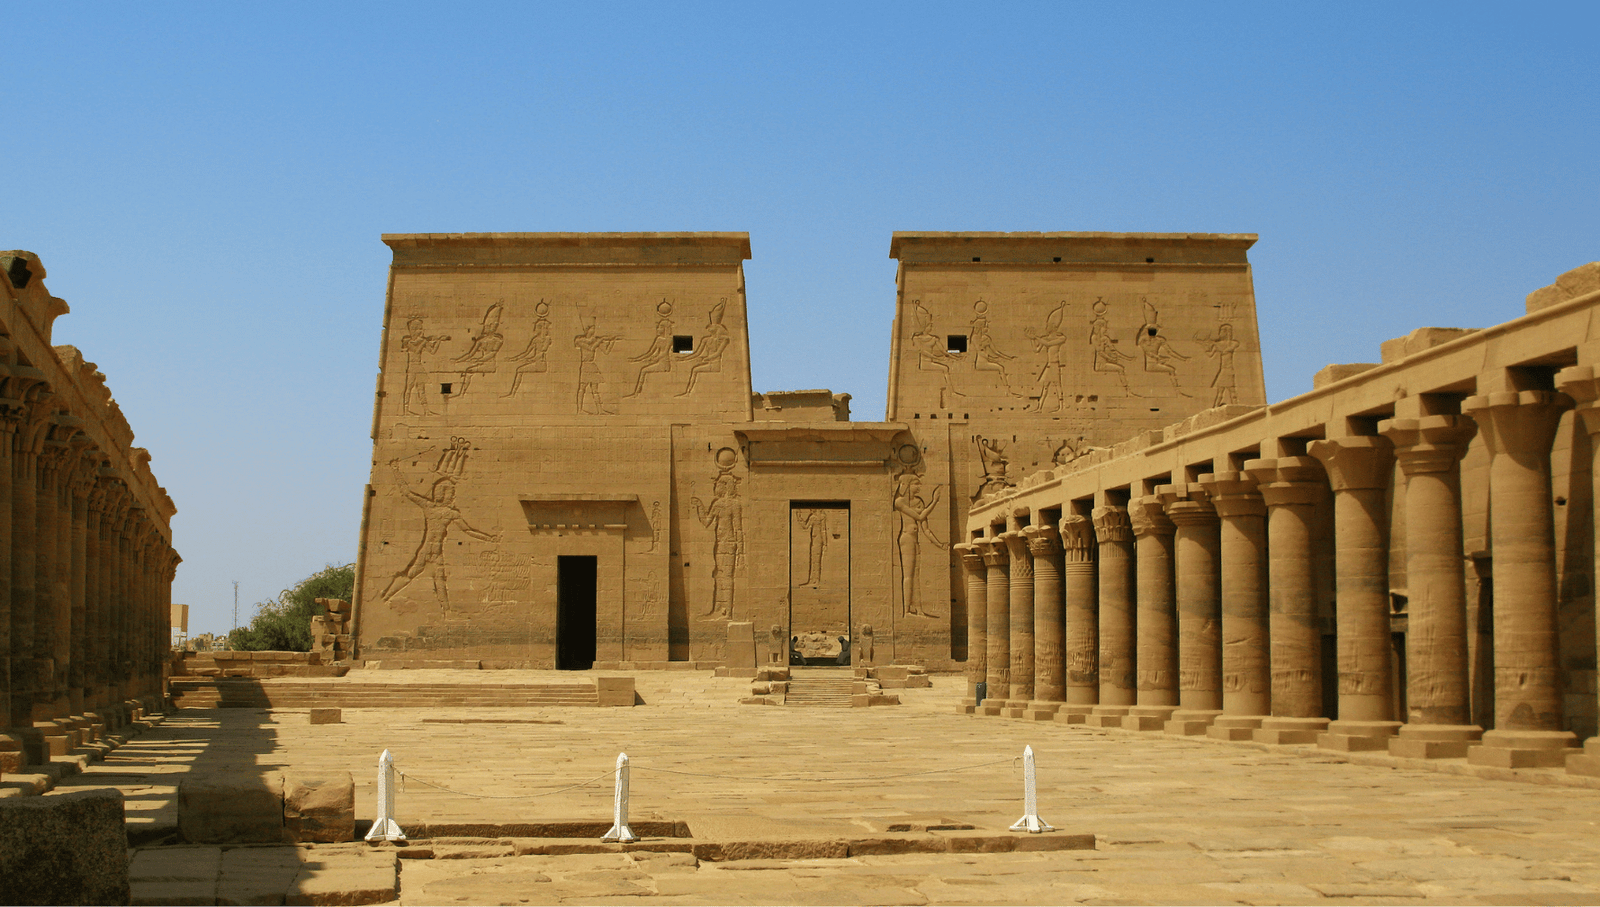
206,184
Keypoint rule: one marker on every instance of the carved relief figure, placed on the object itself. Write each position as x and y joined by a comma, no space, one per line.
480,357
655,526
725,518
991,454
439,514
815,523
1158,352
589,374
1221,348
986,356
658,358
1107,358
910,525
416,343
1049,343
708,357
932,353
532,358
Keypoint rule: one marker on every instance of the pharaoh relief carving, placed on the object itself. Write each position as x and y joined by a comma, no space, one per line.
724,516
480,357
911,512
417,343
658,357
1107,358
707,358
1049,342
532,358
439,516
1159,356
815,524
656,525
933,353
986,357
1221,347
591,379
992,457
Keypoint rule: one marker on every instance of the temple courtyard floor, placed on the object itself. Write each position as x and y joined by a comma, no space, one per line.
776,804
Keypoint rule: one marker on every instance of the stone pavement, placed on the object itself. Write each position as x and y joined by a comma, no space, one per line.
1178,820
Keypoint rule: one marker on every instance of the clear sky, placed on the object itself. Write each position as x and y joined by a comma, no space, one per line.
206,184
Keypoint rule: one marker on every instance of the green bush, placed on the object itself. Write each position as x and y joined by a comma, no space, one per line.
285,625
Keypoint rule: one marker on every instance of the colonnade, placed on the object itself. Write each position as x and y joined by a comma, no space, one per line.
1179,583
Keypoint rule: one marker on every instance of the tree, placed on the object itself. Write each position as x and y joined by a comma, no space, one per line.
285,624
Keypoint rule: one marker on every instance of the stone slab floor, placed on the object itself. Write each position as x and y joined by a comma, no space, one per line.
1178,821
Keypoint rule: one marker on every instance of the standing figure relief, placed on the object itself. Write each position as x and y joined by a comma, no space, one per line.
532,357
1049,343
1158,351
933,353
708,356
658,357
1107,358
815,523
986,356
1221,348
590,377
479,359
439,515
724,516
911,514
417,343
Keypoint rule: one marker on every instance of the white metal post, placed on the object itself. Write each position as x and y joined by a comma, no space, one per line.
384,827
619,828
1030,821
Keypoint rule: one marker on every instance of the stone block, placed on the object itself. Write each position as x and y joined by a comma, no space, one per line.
1352,743
918,681
614,691
327,716
1332,373
319,808
257,875
231,809
66,849
1419,340
1508,757
176,875
741,645
1579,281
346,877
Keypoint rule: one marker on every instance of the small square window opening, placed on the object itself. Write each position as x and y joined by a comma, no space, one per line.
682,344
956,343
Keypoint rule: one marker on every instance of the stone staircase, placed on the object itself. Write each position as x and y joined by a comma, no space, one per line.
259,693
820,687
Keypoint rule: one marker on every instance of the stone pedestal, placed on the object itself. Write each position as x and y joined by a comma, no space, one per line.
1523,749
1434,741
1358,736
1191,722
1586,762
1042,711
1283,730
1107,715
1147,717
1234,727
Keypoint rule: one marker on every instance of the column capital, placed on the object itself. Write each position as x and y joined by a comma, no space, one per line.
1429,444
1043,540
993,551
1582,384
1111,524
1077,538
1234,494
1187,505
1356,462
1017,550
1519,423
971,557
1287,481
1149,517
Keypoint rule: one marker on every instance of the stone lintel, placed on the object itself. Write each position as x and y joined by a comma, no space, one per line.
435,249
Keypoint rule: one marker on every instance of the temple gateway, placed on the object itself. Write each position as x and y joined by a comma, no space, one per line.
571,469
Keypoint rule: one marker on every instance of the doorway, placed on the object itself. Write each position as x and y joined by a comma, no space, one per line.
576,578
819,582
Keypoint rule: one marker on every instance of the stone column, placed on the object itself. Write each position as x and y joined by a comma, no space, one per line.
1049,624
1021,629
1118,645
1518,428
24,568
1290,487
1082,606
998,588
54,621
1197,551
8,442
1583,385
1246,690
977,622
1155,626
94,659
78,589
1359,470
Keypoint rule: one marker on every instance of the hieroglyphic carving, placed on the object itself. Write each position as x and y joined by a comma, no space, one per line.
724,516
815,523
439,514
992,456
590,377
1222,348
986,357
910,525
508,576
708,356
1158,351
1107,358
1049,343
933,353
479,359
532,357
658,357
417,343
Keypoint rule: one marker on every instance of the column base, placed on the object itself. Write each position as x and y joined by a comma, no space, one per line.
13,756
1191,722
991,707
1042,711
1434,741
1015,707
1107,715
1073,713
1285,731
1234,727
1587,762
1523,749
57,738
1147,717
967,706
1358,736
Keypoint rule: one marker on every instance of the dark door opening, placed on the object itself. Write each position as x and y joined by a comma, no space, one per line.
575,611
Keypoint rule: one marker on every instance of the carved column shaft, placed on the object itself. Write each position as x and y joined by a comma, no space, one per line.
1082,609
998,589
977,616
1021,607
24,569
78,590
1118,645
1290,486
1049,616
1246,683
8,439
1156,622
1581,383
1197,549
94,631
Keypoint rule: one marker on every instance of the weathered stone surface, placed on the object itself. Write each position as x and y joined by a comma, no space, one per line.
345,877
64,849
231,808
319,808
327,716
